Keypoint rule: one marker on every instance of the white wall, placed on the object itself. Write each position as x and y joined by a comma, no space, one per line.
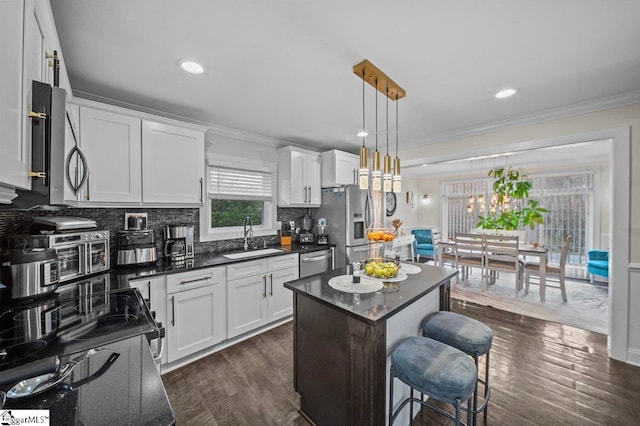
407,214
614,117
237,146
624,122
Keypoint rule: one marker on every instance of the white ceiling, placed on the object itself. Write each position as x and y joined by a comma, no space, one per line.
565,157
283,68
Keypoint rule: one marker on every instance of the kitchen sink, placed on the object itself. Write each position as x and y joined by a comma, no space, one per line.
252,253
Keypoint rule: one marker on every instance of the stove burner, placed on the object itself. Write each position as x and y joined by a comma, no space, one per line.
20,351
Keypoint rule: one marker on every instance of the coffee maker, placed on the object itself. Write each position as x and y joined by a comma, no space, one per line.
321,231
306,237
178,246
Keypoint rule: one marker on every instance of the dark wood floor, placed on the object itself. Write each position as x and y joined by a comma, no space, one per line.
542,373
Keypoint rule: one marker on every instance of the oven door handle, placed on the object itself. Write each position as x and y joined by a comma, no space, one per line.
314,258
83,267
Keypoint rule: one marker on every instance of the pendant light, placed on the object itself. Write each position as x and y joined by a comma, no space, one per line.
376,173
363,172
397,179
382,83
387,176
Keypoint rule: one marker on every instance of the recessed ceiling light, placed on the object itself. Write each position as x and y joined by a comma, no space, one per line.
505,93
191,67
362,133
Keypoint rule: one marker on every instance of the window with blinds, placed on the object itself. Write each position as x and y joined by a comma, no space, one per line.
238,193
237,184
568,197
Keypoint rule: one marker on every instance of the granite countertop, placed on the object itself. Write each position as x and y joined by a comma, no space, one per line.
204,260
128,391
376,306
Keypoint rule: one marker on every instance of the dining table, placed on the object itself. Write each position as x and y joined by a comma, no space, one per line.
524,249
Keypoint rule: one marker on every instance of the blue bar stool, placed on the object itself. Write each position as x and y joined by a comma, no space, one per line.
471,337
435,369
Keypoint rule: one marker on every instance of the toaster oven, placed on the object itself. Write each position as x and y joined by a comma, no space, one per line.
79,253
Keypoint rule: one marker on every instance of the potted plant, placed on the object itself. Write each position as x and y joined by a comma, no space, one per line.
511,188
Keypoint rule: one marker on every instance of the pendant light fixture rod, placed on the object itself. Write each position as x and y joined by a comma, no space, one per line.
363,172
396,129
376,119
387,119
364,129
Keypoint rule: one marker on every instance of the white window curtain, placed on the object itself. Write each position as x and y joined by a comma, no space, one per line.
226,183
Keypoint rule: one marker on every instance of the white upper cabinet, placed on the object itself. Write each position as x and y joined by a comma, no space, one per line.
172,164
135,158
339,168
13,149
298,178
112,145
27,37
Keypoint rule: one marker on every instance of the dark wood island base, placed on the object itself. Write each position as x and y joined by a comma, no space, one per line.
342,342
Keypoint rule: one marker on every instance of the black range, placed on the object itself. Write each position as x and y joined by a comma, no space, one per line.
105,332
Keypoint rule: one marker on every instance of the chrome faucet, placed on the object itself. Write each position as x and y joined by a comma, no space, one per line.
248,233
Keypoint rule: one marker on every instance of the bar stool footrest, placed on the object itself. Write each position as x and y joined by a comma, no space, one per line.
431,406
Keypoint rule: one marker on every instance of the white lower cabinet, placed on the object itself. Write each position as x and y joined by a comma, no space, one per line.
280,298
203,307
247,304
196,311
258,299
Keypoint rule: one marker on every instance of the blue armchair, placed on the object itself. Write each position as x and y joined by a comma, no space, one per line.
598,263
424,243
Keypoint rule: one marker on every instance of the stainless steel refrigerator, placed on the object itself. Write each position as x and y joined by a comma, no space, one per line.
349,212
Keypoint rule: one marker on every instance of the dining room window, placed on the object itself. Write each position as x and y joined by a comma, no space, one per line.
569,197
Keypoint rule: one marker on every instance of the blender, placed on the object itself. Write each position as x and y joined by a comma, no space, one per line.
321,231
306,237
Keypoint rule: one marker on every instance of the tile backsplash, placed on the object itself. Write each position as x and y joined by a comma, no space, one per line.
14,222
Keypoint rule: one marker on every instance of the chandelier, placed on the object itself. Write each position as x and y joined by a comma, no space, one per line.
388,181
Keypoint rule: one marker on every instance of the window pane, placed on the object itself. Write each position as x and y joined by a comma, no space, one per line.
568,198
232,212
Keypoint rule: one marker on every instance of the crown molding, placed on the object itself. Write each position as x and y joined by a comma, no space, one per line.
600,104
212,128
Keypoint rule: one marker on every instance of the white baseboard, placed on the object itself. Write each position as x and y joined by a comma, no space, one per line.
165,368
633,356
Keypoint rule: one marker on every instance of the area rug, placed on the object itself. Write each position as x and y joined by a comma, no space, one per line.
586,307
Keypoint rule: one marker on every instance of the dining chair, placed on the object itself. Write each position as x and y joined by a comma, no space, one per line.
502,254
556,270
446,253
399,244
424,244
469,253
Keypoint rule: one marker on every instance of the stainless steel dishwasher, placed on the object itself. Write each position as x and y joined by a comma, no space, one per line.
316,262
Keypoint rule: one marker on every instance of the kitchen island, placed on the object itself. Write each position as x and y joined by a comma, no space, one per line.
342,341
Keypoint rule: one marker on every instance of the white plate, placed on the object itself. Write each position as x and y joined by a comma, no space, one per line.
408,268
345,283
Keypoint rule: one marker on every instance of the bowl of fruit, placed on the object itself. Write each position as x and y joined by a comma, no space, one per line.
381,234
381,268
